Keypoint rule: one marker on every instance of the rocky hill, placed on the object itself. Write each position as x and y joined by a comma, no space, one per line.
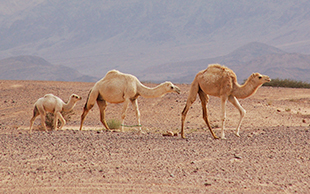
36,68
96,36
253,57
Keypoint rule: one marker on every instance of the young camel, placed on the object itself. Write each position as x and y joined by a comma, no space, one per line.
221,81
117,87
53,104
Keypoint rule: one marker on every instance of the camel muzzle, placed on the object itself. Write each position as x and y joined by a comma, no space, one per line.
177,90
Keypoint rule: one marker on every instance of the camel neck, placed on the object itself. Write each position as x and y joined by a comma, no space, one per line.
148,92
245,90
68,106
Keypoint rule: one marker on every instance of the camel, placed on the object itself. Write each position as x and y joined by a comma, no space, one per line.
117,87
221,82
53,104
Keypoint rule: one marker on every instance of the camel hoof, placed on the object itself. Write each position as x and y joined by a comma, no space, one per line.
223,137
141,132
215,137
237,134
183,136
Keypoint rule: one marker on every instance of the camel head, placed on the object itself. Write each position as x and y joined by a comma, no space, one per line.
260,79
170,87
75,98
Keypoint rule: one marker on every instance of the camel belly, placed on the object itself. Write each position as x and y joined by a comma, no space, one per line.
113,96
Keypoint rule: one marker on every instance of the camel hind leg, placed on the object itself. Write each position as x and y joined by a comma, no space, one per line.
204,98
190,100
35,115
90,102
102,105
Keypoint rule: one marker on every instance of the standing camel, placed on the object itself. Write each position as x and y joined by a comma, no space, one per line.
53,104
221,81
117,87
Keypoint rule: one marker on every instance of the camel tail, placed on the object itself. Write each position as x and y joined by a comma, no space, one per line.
85,106
90,101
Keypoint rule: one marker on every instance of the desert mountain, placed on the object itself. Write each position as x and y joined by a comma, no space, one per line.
253,57
36,68
96,36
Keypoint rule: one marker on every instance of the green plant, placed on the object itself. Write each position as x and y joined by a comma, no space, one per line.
114,124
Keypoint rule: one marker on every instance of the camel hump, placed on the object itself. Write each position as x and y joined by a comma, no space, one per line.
49,95
217,68
115,74
221,71
113,71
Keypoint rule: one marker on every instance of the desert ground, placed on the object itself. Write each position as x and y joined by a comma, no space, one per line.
272,154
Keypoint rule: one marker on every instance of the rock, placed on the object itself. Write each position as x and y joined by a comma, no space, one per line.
169,133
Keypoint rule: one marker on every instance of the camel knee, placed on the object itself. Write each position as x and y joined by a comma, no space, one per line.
185,110
242,113
123,116
223,118
62,123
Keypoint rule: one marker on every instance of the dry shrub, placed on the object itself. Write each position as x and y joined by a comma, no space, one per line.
287,83
114,124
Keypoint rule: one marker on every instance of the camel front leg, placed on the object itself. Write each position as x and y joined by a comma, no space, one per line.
136,107
42,115
242,112
204,98
125,106
62,120
102,105
223,115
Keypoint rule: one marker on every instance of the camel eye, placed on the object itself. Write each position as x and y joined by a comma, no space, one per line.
260,77
171,87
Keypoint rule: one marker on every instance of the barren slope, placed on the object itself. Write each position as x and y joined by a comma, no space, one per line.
271,156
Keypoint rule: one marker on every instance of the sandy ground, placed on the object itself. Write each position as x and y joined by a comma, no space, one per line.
271,156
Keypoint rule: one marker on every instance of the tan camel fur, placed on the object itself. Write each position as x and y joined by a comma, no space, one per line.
53,104
117,87
221,81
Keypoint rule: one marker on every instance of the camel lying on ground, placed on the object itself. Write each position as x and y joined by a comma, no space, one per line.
53,104
221,81
117,87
